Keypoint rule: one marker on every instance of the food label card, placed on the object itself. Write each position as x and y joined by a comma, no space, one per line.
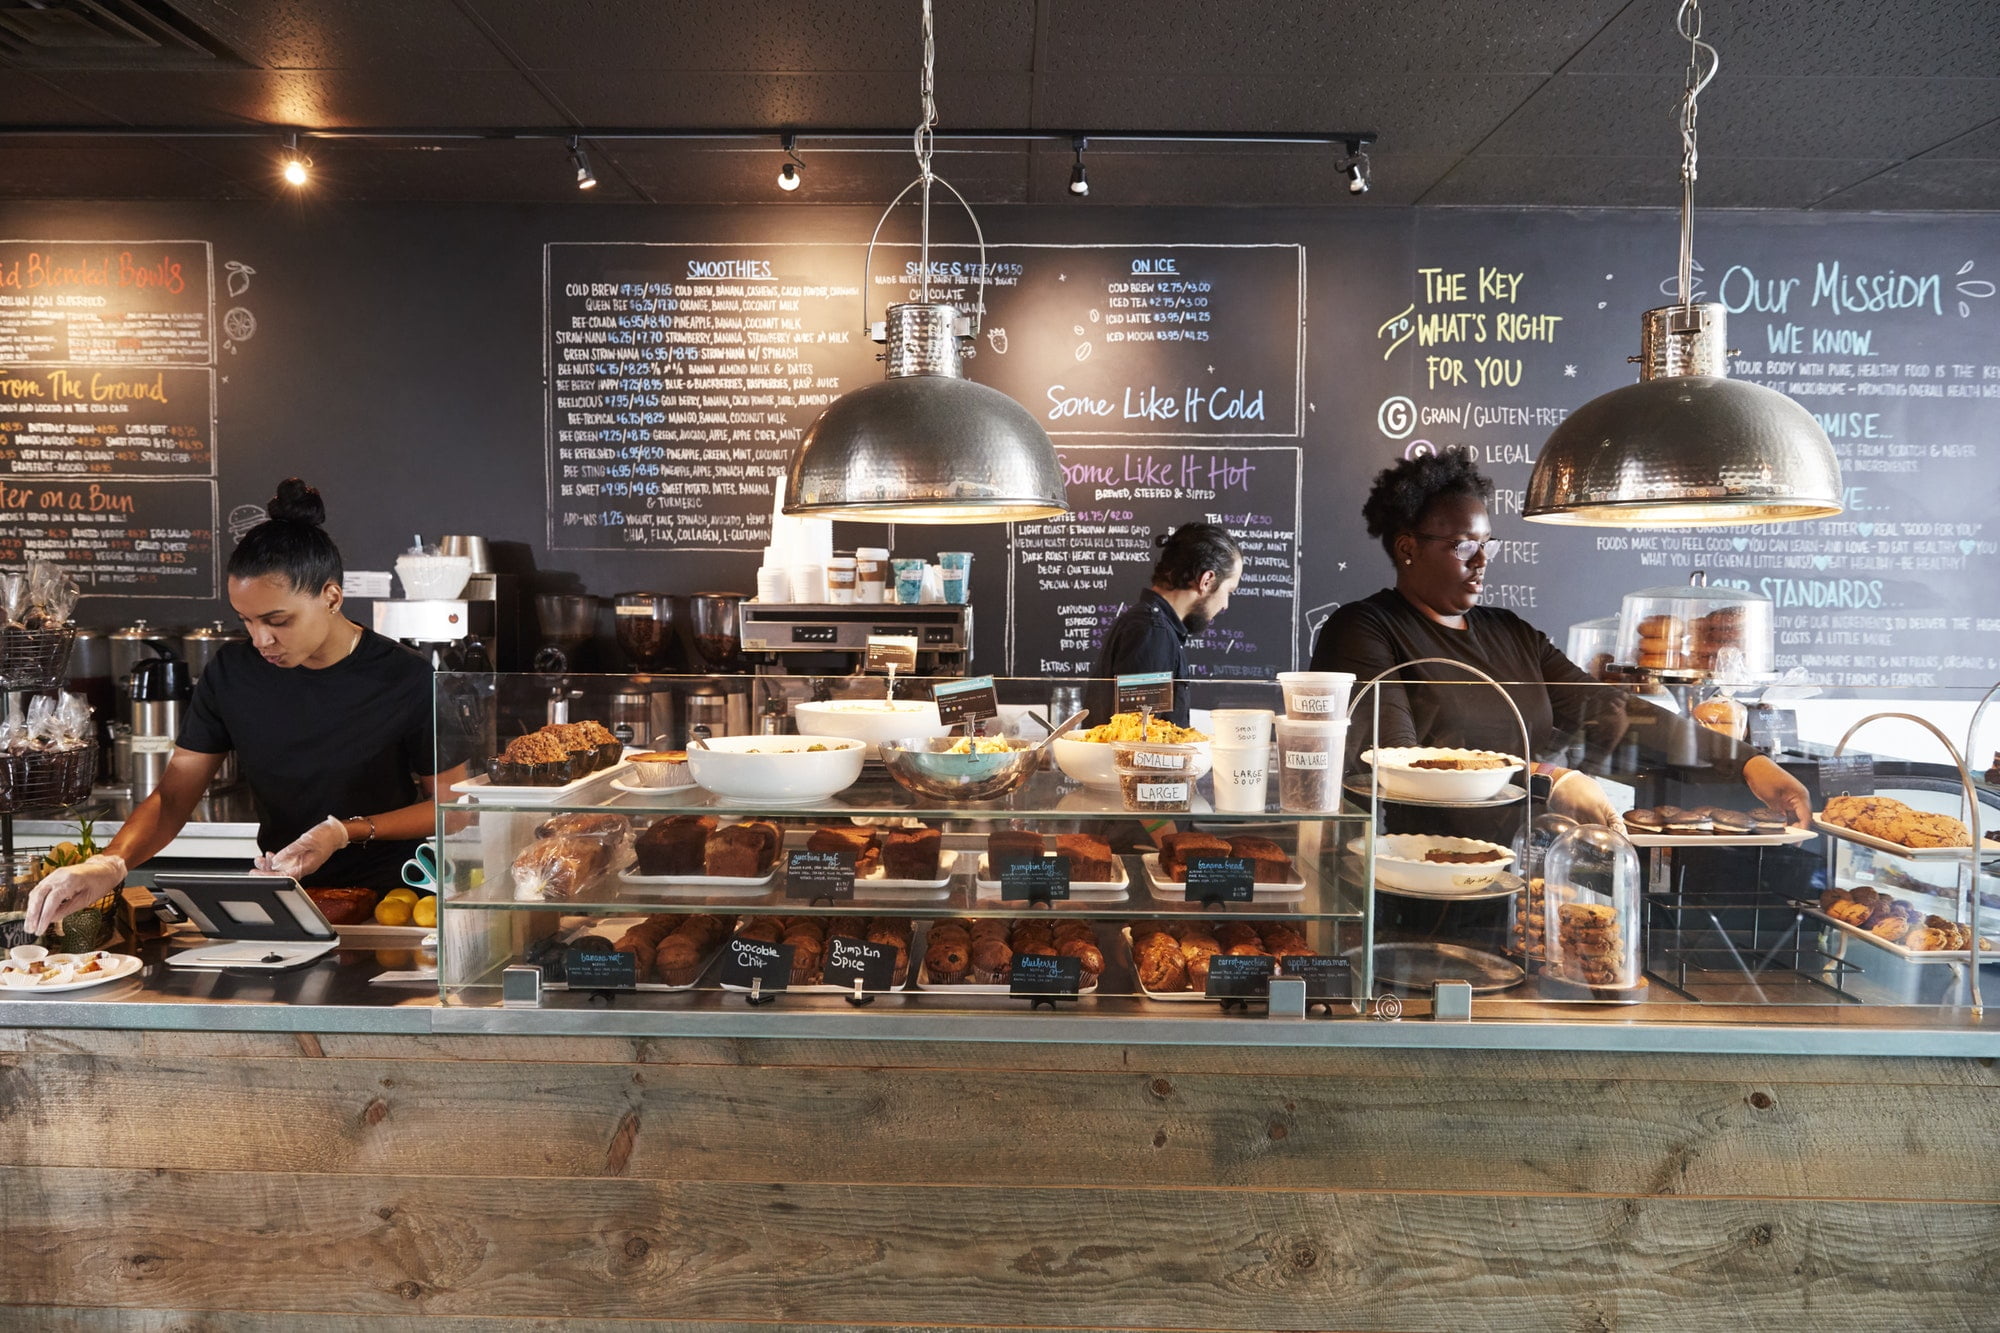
970,700
1327,979
1233,977
890,651
1038,974
600,971
811,874
846,959
1229,879
1034,878
1151,689
746,961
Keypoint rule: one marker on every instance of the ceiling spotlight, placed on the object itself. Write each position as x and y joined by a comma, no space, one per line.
586,179
297,167
1356,168
788,178
1079,180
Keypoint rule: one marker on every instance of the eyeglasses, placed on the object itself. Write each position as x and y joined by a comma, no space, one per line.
1462,551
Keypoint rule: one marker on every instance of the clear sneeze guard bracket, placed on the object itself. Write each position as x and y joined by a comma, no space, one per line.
1451,1002
1288,997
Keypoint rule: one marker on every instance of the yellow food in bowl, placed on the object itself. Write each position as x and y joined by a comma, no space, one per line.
1131,727
979,745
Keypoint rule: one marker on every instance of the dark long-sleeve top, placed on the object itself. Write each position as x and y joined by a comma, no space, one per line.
1565,710
1146,637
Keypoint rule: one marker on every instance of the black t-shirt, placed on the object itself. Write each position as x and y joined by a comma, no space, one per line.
1146,637
345,740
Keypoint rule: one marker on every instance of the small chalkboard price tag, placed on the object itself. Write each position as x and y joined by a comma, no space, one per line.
1152,689
888,652
810,875
1223,879
1233,977
1039,974
746,962
970,700
1034,878
590,970
1327,979
847,959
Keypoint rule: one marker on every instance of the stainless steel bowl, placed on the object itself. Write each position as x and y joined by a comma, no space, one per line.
923,766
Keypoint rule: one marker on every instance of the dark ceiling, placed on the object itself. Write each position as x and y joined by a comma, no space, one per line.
1831,104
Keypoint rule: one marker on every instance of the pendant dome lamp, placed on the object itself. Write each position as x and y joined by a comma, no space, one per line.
1686,445
926,445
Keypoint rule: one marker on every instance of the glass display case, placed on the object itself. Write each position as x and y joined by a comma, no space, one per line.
1696,631
839,866
1068,872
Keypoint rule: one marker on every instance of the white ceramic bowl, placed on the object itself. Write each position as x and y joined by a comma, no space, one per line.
433,577
1400,864
1441,784
1095,763
871,720
776,770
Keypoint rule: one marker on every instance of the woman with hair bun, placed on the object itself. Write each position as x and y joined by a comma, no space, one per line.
331,723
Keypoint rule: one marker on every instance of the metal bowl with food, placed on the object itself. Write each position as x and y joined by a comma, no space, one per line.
776,770
1441,773
959,768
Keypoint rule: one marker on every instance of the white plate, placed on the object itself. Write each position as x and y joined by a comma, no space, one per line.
361,934
1508,795
1789,838
756,885
633,789
125,965
1442,785
1986,846
1167,890
1100,890
481,788
980,987
1907,954
947,867
1399,865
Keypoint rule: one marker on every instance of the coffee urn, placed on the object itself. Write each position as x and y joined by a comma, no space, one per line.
161,689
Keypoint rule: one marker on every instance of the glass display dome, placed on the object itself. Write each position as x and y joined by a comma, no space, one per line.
1591,910
1697,632
1593,645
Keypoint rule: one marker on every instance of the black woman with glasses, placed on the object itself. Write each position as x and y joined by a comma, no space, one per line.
1430,515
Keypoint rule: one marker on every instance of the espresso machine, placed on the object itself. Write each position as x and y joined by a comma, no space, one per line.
806,639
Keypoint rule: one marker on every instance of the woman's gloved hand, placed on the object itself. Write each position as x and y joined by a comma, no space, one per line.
63,891
306,853
1779,790
1577,795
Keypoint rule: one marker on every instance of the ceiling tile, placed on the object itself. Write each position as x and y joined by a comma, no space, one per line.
1617,115
348,34
1274,38
1865,38
1412,114
318,98
26,100
967,100
760,35
1924,185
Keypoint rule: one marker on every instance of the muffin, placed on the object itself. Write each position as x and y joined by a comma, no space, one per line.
947,963
678,960
992,962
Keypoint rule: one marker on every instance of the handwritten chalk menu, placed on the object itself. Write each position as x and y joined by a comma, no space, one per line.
107,413
1890,337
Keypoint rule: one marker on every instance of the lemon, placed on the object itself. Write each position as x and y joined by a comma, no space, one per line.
395,959
64,854
392,912
425,913
407,895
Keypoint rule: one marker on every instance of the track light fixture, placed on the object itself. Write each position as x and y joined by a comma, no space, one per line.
789,178
1079,180
1356,167
586,179
296,167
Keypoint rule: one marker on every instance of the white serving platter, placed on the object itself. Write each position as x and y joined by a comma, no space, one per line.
1168,890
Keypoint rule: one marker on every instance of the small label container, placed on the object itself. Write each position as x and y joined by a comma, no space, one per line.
1316,696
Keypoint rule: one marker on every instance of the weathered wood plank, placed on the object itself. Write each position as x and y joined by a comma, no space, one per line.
75,1319
1332,1063
997,1127
1094,1258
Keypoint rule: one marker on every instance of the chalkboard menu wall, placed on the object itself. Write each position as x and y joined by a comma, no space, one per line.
613,393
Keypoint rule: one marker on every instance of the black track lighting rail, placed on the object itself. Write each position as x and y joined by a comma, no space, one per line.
1350,140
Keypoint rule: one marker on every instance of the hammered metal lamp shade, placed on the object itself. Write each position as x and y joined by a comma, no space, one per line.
1683,451
1685,446
925,446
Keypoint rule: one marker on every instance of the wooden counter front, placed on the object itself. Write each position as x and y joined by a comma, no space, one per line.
239,1181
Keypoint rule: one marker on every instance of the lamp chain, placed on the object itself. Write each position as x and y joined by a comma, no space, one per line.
923,141
1688,21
